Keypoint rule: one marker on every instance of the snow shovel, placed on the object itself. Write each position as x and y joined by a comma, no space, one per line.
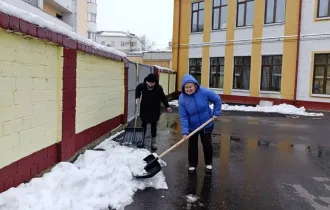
153,166
134,136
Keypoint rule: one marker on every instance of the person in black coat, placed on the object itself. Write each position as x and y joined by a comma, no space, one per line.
152,95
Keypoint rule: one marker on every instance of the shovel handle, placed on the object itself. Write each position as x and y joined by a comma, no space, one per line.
184,139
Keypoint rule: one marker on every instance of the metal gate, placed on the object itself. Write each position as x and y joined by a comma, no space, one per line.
132,83
144,70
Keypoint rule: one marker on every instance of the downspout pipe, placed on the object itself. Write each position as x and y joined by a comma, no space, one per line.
298,53
177,56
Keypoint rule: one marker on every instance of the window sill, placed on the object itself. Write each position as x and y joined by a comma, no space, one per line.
273,24
270,92
243,27
241,90
321,95
219,30
323,19
216,89
199,32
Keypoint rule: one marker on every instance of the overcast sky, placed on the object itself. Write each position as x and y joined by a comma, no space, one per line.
154,18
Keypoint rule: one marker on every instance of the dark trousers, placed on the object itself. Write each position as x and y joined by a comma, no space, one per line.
153,128
206,139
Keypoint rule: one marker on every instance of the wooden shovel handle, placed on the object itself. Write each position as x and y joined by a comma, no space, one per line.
182,140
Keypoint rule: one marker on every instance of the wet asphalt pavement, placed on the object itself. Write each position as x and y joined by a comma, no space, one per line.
261,161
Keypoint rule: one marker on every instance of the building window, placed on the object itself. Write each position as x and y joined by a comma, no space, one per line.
217,69
323,8
195,68
92,1
271,72
112,43
274,11
122,43
241,77
59,16
321,76
92,36
92,17
197,17
245,13
219,18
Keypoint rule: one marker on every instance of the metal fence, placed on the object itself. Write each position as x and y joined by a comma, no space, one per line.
132,83
144,70
136,75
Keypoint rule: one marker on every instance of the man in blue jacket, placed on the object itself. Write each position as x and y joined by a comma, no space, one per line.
194,110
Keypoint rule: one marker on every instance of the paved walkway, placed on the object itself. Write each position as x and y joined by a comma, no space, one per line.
260,162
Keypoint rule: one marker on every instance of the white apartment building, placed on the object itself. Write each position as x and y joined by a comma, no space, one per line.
120,40
75,15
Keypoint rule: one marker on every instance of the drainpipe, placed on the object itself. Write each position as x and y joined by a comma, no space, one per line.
298,53
177,56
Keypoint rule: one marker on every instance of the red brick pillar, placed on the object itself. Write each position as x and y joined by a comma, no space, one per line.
67,146
124,116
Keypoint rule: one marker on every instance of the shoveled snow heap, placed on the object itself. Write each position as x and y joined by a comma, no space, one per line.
97,180
32,18
282,108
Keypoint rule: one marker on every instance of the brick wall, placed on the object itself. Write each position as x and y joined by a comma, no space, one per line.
100,90
30,95
41,75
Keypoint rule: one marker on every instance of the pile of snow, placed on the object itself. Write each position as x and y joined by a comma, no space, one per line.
32,18
282,108
163,68
97,180
174,103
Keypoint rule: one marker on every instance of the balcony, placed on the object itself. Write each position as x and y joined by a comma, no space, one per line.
65,6
37,11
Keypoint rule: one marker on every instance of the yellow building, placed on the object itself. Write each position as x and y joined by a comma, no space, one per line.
161,58
252,50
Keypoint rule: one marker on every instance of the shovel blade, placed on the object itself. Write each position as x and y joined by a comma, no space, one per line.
134,137
152,167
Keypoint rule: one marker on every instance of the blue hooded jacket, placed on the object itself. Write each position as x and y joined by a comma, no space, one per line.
194,109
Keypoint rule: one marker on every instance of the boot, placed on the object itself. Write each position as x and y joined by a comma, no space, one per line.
153,143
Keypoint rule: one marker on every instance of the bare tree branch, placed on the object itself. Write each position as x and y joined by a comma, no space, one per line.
131,42
146,44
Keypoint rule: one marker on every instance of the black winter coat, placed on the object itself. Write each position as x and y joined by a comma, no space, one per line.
150,103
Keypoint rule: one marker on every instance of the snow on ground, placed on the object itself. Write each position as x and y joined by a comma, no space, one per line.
32,18
97,180
282,108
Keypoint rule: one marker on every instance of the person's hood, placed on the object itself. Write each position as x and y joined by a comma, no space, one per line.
187,78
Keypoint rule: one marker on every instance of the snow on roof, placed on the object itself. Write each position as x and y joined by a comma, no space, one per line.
115,33
32,18
163,68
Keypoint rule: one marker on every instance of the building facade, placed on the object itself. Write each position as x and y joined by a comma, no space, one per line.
120,40
252,50
75,15
160,58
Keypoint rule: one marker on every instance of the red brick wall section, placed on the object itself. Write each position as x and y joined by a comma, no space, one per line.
126,69
87,136
156,72
26,168
69,104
